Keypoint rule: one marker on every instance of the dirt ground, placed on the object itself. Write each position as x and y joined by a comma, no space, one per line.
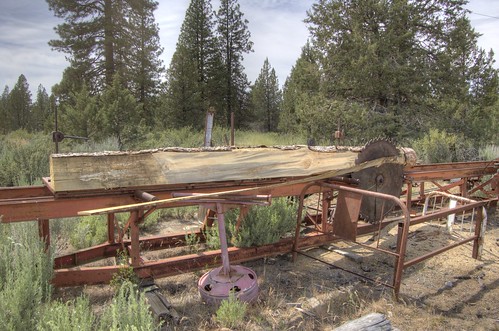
450,291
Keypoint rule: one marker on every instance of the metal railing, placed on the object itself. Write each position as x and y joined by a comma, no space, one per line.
473,209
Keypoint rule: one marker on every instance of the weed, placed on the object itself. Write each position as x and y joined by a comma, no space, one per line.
125,273
192,240
212,237
489,152
73,315
231,312
128,311
88,231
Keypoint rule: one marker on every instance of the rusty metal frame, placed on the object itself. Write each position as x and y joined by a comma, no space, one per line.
39,203
464,171
403,229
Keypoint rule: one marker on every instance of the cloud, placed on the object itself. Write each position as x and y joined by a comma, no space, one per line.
278,33
27,27
276,27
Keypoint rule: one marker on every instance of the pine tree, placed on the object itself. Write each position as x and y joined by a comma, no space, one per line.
266,98
40,115
302,83
192,75
405,60
19,105
4,106
120,113
90,36
181,100
80,117
144,67
102,37
234,38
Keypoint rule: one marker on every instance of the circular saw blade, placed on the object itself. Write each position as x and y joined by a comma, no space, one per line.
387,178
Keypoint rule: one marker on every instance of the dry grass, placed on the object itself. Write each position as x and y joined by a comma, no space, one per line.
309,295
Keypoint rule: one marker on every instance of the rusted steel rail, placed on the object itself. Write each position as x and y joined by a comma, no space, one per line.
464,175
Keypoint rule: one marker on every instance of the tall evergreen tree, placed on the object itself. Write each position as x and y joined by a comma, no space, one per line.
144,67
181,100
302,83
234,38
120,113
404,59
266,98
90,36
19,105
192,75
102,37
81,117
41,110
4,110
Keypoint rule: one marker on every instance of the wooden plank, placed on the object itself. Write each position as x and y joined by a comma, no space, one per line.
76,172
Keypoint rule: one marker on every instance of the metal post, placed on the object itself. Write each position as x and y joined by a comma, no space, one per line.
223,240
44,231
408,197
135,246
56,127
479,233
110,228
232,143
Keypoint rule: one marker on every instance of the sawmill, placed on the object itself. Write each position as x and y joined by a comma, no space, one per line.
358,191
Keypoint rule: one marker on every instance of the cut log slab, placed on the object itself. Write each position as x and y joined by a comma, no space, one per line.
97,171
371,322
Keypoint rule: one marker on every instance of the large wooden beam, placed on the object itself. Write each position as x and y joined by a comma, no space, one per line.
97,171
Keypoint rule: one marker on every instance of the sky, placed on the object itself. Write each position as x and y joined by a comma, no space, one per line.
276,26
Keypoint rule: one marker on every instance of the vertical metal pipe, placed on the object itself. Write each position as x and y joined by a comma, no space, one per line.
408,197
223,240
56,126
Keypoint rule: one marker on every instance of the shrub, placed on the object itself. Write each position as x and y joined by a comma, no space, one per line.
24,158
264,224
440,147
74,315
212,237
88,231
25,275
125,272
231,312
489,152
128,311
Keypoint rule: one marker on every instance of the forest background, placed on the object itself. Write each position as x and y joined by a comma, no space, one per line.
410,71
